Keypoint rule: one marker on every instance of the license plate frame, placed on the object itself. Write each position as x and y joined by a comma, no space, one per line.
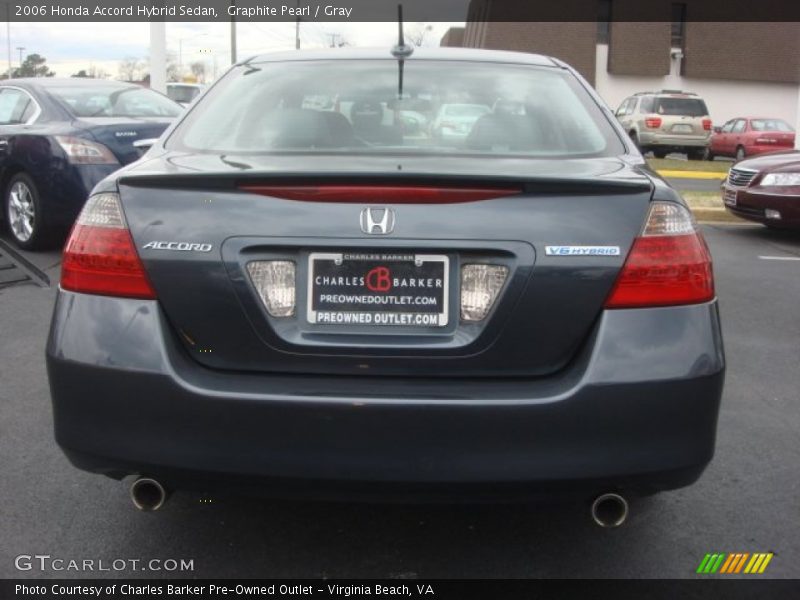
729,197
682,128
359,264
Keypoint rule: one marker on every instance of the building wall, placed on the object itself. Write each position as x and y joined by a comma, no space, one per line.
572,42
725,98
743,51
639,48
453,37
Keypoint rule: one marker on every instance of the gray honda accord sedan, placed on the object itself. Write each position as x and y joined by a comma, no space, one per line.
295,291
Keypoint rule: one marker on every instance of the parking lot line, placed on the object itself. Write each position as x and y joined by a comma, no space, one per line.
779,257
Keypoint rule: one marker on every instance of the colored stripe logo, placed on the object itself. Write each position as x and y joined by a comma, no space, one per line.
735,562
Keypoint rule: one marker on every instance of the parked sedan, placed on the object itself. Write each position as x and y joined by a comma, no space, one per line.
765,189
749,136
58,138
274,302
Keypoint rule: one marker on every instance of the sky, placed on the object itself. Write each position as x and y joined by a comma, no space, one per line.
70,47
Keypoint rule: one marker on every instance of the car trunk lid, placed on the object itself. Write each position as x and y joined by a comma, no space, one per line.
561,229
119,134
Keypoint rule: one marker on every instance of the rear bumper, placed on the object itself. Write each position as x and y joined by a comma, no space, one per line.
636,411
658,140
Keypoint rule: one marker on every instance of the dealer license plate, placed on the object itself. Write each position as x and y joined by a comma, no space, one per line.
729,197
682,129
378,289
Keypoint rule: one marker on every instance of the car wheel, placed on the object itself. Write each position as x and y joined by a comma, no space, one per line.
740,155
660,153
24,215
695,154
635,140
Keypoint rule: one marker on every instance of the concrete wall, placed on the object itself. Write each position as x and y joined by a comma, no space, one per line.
725,99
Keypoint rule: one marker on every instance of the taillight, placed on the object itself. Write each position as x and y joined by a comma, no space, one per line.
388,194
653,122
707,124
100,256
668,264
85,152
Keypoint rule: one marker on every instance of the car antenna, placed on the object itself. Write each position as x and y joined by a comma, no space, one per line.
400,51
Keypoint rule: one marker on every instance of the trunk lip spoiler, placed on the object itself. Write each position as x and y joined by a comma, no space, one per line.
226,180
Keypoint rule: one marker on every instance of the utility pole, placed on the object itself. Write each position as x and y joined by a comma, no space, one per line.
21,49
233,37
8,36
158,56
297,30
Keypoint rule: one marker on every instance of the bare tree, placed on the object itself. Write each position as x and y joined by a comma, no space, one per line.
97,72
415,34
173,73
130,68
199,71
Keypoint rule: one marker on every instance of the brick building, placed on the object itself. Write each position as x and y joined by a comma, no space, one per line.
738,67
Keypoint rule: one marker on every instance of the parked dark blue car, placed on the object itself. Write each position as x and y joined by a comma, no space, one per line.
58,138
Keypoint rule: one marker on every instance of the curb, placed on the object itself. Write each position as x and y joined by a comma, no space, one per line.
716,215
692,174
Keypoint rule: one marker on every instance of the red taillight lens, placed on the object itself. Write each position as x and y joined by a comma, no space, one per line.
668,264
707,124
653,122
100,256
380,193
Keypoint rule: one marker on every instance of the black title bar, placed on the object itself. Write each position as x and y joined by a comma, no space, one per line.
386,10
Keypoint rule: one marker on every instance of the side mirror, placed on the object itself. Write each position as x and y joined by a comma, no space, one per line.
717,129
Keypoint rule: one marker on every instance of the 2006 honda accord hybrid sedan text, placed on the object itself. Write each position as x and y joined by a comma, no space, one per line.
293,292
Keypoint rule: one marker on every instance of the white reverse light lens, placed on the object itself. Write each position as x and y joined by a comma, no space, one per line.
668,218
480,285
102,210
275,283
781,179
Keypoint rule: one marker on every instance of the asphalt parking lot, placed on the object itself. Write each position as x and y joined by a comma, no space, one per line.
747,501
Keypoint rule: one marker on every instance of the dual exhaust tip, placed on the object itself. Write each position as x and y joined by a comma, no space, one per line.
608,510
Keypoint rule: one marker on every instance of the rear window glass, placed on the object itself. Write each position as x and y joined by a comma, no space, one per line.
115,101
428,107
770,125
686,107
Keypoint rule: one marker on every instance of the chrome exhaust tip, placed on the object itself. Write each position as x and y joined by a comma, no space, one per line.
610,510
148,494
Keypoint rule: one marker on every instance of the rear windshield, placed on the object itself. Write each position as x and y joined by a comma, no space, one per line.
115,101
685,107
428,107
770,125
182,93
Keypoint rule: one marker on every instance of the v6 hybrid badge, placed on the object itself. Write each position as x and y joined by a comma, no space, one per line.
178,246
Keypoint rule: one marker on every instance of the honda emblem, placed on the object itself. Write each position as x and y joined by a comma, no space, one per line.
377,221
